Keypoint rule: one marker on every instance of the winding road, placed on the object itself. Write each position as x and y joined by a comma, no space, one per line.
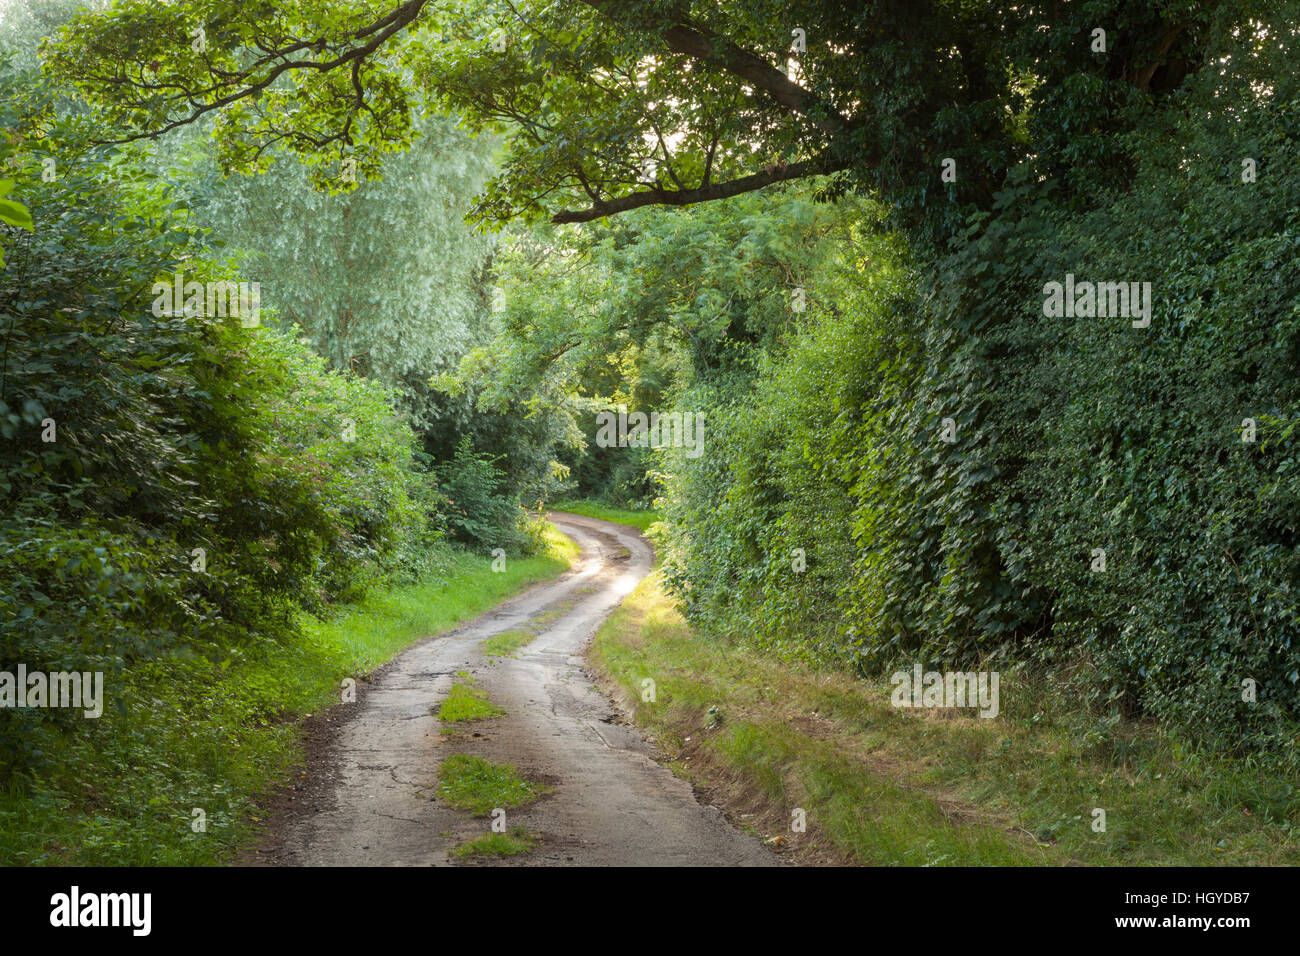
372,798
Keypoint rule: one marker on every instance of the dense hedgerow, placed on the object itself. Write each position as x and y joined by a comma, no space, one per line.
129,441
1071,435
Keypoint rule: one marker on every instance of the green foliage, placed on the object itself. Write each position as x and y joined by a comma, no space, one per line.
481,509
782,455
480,786
1071,434
631,311
828,516
619,103
133,441
386,281
12,213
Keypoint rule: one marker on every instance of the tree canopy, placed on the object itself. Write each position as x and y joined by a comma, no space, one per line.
611,105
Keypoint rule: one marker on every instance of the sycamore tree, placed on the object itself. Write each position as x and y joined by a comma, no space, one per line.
612,105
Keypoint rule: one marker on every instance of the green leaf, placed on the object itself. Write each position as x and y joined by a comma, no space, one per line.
16,214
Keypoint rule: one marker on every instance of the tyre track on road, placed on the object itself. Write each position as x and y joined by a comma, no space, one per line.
374,794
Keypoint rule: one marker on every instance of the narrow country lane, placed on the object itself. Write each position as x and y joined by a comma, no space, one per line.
372,801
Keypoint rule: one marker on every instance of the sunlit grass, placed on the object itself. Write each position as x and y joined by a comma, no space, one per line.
886,786
515,841
641,520
470,783
466,703
212,737
507,642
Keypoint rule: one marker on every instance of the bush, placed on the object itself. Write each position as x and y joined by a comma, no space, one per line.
137,448
481,510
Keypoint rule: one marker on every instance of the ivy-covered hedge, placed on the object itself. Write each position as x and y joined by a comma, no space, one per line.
1071,435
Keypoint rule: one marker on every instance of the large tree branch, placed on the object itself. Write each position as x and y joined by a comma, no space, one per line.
380,32
685,197
1163,45
722,54
682,36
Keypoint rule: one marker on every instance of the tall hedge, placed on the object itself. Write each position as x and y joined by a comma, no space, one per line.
168,484
1070,435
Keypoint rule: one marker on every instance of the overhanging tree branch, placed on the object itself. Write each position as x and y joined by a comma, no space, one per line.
682,36
722,54
685,197
379,31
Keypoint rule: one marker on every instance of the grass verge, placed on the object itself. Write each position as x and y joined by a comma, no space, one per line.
195,735
880,785
470,783
641,520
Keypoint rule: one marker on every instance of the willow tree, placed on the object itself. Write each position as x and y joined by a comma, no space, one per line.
387,280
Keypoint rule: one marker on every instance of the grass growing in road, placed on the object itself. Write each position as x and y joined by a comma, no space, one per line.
594,509
507,642
465,702
552,614
881,785
512,843
479,786
197,734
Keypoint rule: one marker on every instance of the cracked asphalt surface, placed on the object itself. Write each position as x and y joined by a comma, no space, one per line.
374,801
